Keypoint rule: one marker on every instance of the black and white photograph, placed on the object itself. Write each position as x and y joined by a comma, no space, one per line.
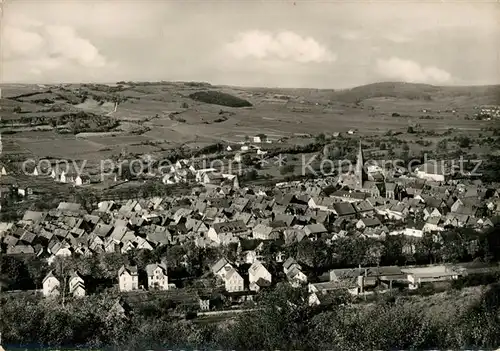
249,175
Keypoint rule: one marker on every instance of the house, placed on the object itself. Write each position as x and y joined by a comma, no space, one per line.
33,217
391,190
292,235
431,171
262,232
315,229
289,264
364,208
371,188
128,278
157,276
69,207
414,229
431,212
233,281
51,285
204,304
221,267
368,223
433,224
259,139
344,209
418,275
76,285
218,231
296,277
316,299
258,276
250,250
355,280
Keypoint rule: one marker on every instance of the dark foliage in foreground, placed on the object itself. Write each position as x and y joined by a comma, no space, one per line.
285,321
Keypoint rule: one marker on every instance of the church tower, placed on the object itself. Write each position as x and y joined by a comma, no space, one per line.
359,172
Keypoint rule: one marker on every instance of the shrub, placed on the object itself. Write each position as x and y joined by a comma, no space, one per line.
287,169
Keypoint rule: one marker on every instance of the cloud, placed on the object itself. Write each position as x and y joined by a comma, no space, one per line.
411,71
397,38
34,47
65,42
284,46
354,35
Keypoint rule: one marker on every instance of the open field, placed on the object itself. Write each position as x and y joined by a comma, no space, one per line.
166,117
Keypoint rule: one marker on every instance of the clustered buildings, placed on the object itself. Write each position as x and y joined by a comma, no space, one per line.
358,204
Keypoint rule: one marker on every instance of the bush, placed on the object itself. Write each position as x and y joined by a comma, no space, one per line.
287,169
218,98
464,142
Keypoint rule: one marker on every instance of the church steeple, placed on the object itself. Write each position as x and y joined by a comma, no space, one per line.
359,171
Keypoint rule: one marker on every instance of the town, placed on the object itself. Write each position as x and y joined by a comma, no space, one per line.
250,231
293,175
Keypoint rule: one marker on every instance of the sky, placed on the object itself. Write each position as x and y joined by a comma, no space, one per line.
301,44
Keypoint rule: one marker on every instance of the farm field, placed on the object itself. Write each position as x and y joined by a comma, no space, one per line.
157,117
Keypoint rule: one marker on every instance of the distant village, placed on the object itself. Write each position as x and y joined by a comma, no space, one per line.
218,213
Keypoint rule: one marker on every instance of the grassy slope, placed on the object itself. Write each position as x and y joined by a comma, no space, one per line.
275,111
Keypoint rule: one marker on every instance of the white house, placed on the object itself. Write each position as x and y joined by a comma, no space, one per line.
157,276
431,213
431,171
258,274
233,281
296,277
221,268
256,139
51,285
62,178
63,250
416,231
128,278
3,171
238,157
201,174
78,180
433,225
76,285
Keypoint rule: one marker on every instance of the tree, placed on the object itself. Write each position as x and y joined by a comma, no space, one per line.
287,169
283,309
247,160
464,142
320,138
88,199
410,130
442,145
